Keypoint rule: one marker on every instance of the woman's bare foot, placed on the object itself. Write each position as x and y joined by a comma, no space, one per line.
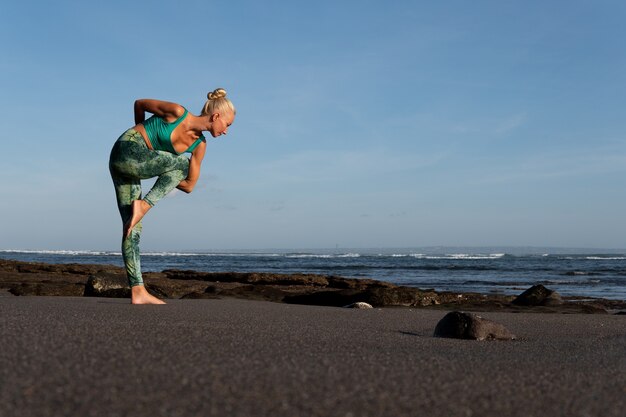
139,295
139,209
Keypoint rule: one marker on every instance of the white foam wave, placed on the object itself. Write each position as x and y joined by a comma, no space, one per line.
60,252
459,256
322,256
174,254
212,254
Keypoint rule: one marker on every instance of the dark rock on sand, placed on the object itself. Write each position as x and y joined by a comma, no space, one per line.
107,285
538,295
460,325
400,296
250,292
45,289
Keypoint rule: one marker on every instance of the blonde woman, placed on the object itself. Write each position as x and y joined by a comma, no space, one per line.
154,148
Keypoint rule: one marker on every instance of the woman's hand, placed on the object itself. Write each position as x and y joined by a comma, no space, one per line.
187,185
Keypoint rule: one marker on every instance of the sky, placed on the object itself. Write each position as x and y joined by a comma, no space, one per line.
360,124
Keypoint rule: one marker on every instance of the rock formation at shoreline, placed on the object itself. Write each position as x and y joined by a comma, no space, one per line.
39,279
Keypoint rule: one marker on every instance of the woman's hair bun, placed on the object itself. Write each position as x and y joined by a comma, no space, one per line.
217,93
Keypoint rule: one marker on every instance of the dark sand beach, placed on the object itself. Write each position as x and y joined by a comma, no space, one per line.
90,356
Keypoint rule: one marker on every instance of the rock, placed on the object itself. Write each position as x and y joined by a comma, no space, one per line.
48,289
460,325
199,296
377,296
249,292
107,285
261,278
330,298
538,295
359,304
399,296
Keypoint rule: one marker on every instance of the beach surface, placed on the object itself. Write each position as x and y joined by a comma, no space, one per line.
84,356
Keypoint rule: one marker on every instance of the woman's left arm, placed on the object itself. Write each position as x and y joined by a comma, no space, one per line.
187,185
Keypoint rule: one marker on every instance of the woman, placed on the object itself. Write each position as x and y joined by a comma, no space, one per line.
154,148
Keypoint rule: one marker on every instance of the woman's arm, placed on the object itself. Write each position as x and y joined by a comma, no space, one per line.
187,185
164,109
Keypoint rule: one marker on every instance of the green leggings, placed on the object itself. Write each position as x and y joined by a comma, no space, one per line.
131,161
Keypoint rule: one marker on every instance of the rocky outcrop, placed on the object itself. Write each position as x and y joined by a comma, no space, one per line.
460,325
249,277
538,295
30,278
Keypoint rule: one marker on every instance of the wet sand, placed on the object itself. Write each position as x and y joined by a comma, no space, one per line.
79,356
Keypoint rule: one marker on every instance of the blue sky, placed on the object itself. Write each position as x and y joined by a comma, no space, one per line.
360,123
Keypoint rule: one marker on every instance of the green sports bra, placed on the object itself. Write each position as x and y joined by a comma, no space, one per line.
160,133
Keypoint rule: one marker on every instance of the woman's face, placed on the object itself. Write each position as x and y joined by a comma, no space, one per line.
220,123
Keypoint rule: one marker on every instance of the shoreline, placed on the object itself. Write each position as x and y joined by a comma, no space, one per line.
596,275
71,279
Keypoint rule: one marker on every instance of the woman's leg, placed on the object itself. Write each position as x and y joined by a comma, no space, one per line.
128,192
140,162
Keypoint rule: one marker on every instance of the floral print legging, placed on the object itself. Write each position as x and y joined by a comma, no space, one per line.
131,161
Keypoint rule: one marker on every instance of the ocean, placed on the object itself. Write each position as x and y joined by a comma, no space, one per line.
571,272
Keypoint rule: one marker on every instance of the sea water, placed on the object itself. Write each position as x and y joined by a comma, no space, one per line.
488,270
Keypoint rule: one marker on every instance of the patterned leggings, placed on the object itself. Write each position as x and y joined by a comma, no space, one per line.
131,161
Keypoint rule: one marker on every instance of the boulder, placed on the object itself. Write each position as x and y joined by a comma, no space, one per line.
538,295
107,285
461,325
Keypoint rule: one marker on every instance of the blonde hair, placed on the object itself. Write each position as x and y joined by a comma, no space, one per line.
217,103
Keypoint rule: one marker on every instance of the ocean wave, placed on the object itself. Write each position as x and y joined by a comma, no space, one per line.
60,252
321,256
587,257
605,258
570,282
461,256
